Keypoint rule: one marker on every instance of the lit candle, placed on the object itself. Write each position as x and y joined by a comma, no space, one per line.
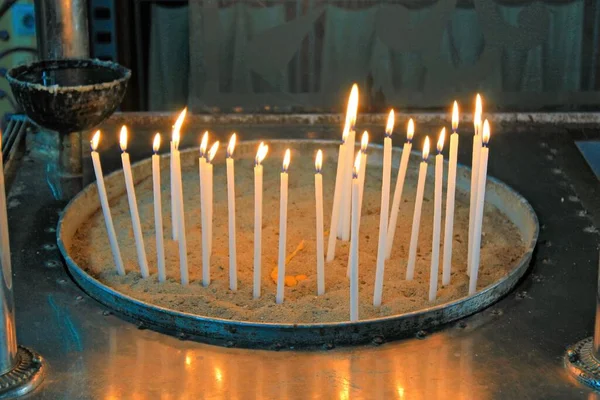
414,236
474,176
450,195
384,209
437,217
231,210
483,163
174,201
364,143
203,184
337,198
283,202
319,214
399,188
258,194
133,209
354,242
158,225
351,114
183,264
110,229
207,216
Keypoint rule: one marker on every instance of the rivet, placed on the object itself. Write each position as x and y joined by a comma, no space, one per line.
49,246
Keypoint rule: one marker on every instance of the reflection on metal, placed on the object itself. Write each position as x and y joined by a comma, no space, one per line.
62,29
271,335
583,358
25,376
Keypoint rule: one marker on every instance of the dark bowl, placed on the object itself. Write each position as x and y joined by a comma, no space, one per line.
69,95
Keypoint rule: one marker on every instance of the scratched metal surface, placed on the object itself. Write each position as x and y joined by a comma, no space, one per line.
512,350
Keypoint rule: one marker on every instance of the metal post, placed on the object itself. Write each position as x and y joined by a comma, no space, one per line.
62,32
583,358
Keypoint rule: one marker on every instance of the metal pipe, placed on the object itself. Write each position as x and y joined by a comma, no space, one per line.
62,29
596,349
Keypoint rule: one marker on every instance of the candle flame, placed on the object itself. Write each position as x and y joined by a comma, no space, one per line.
455,117
356,165
261,153
440,143
204,144
478,112
410,130
319,161
156,143
426,148
286,160
352,110
213,151
95,140
364,142
389,128
231,145
486,133
179,122
123,138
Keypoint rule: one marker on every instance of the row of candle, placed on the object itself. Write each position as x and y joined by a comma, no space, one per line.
345,218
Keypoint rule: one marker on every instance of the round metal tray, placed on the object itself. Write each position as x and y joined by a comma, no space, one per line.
276,335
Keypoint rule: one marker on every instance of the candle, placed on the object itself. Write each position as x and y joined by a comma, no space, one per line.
158,225
437,217
354,242
283,202
174,201
337,198
414,236
110,229
183,265
351,113
231,212
483,162
474,176
4,238
203,184
399,187
319,218
258,189
207,216
133,209
364,143
384,209
450,195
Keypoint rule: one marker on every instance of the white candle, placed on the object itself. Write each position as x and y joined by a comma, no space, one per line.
258,192
450,195
110,229
231,213
174,200
474,177
207,221
204,212
483,162
175,229
158,225
437,217
354,243
283,202
337,199
319,218
364,143
183,264
399,188
133,209
414,236
351,113
4,238
384,209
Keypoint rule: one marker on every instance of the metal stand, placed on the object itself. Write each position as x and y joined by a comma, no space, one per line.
25,376
583,358
62,32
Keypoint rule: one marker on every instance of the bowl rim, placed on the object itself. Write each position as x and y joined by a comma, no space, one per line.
13,73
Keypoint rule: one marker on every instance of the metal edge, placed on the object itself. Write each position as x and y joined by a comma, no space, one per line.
265,335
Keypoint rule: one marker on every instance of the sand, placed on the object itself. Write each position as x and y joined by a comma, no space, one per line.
502,246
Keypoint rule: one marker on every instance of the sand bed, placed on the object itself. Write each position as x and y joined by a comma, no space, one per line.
502,246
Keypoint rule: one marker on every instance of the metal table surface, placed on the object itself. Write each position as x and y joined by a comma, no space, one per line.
512,350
